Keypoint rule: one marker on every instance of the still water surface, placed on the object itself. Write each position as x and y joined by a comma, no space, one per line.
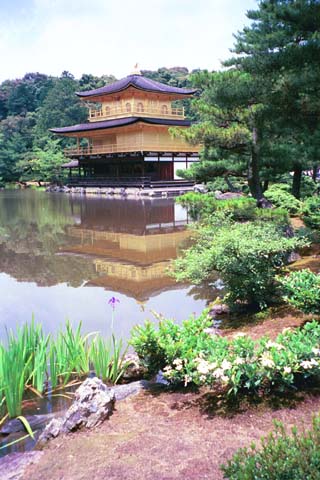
63,257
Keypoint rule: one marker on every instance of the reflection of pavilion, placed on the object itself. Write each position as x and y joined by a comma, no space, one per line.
132,244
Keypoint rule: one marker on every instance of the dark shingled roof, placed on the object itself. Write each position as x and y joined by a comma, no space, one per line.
139,82
120,122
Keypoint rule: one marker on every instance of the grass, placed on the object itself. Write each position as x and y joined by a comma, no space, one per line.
29,360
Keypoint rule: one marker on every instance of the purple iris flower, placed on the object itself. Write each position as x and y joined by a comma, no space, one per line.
113,301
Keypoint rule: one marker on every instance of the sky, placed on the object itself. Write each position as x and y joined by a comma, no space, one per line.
105,37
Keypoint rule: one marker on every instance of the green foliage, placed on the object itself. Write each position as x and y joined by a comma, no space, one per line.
228,184
30,359
239,209
43,164
302,290
280,197
308,187
311,212
108,359
157,348
247,255
188,354
281,456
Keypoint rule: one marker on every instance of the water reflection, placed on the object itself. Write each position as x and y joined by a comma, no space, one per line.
63,256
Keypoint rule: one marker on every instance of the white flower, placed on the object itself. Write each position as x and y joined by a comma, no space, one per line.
226,365
267,362
202,378
218,373
177,361
167,369
287,329
212,366
239,361
309,364
203,367
316,351
287,370
225,379
278,346
239,334
187,379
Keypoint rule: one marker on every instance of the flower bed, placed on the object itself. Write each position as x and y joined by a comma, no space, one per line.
187,354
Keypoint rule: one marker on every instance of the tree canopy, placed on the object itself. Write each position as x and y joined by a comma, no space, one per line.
263,111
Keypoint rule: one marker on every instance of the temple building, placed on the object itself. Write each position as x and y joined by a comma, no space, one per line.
127,139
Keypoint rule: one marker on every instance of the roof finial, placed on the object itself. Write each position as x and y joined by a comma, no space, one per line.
136,70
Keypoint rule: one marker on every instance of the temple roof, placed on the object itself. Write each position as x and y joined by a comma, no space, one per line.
119,122
141,83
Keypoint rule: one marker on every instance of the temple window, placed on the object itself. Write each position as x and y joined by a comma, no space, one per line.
140,107
128,107
164,109
107,110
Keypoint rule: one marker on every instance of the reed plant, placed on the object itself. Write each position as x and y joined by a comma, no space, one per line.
108,359
31,360
13,377
73,349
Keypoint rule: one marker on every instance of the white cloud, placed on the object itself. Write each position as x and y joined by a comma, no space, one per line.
104,36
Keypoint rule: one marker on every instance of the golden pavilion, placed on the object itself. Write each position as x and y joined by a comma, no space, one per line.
126,140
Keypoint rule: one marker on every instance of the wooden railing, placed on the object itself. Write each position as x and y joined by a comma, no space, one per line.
135,111
142,146
101,181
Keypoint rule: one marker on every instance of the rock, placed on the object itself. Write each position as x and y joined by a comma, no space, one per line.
219,309
12,466
134,368
212,331
199,188
124,391
218,284
227,196
93,404
293,257
264,203
35,422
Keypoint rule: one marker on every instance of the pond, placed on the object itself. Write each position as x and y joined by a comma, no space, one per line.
64,257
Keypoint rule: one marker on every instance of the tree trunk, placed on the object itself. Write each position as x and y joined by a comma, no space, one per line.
254,172
314,172
265,185
231,187
296,183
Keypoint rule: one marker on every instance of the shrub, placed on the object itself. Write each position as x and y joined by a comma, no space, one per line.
241,209
281,456
224,184
280,197
308,187
246,255
158,347
311,212
302,290
188,354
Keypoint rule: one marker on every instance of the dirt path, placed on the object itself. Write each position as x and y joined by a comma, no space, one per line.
165,436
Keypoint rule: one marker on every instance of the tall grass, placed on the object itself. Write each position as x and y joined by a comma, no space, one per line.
108,359
31,360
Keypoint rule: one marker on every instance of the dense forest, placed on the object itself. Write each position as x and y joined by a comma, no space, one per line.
30,106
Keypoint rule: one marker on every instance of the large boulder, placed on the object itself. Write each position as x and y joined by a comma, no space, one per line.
227,195
93,404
